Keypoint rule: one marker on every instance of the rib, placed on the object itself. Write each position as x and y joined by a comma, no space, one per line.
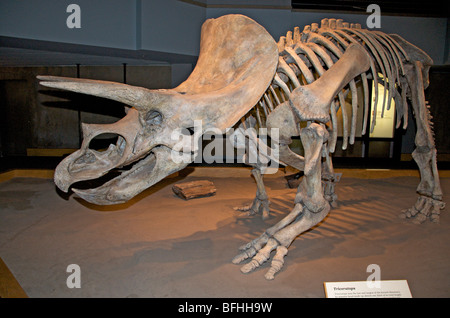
366,101
274,95
277,81
312,57
284,67
354,111
301,65
332,143
369,43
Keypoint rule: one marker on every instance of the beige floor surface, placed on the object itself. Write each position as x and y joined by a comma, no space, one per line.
158,245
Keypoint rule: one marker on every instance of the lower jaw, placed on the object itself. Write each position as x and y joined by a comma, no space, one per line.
99,191
143,174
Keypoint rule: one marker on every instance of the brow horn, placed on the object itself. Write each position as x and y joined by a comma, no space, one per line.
138,97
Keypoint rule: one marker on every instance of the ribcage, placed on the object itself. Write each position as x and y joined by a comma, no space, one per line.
307,55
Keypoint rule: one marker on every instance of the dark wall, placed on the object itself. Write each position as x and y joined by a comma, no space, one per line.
174,25
36,117
28,119
438,96
13,101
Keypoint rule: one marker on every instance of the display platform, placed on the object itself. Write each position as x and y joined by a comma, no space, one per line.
159,245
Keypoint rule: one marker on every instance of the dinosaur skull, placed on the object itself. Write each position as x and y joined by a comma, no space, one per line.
237,62
144,140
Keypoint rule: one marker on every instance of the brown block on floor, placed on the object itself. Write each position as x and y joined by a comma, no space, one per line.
194,189
9,287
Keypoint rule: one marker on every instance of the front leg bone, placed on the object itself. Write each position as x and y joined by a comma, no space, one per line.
283,119
312,102
310,191
310,208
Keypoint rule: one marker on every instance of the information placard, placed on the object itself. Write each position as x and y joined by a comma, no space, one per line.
365,289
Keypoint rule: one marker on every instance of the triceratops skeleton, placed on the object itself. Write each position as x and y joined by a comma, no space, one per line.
242,74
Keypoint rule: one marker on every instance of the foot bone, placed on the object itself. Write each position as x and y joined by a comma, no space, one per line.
425,207
259,205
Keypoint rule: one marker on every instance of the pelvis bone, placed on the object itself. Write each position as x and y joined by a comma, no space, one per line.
237,62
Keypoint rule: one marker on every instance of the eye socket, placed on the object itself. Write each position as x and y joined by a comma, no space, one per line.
153,118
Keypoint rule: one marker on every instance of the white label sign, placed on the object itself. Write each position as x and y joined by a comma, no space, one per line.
360,289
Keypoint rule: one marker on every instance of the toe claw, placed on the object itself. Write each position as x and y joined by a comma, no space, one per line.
243,208
244,255
261,256
247,268
259,206
420,218
277,262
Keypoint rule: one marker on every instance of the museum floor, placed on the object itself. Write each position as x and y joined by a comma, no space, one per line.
159,245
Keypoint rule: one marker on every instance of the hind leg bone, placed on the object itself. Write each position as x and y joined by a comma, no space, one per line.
261,201
430,202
